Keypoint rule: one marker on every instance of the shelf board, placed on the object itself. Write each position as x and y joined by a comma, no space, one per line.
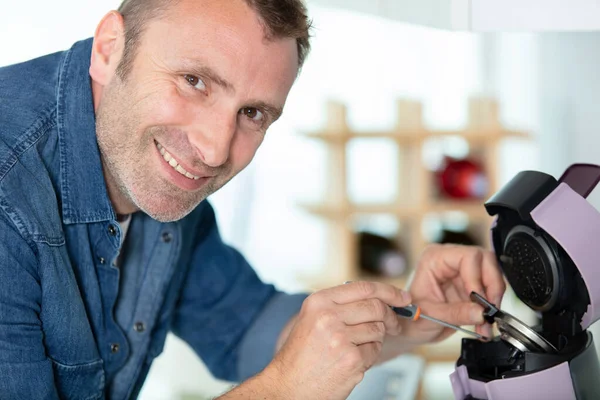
474,137
315,284
473,208
399,282
342,136
336,212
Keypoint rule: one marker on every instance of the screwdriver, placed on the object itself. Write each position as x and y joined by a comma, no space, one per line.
414,312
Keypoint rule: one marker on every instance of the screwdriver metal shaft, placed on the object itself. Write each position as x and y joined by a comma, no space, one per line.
458,328
414,312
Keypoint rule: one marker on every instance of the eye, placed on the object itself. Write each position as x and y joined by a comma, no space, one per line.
253,113
196,82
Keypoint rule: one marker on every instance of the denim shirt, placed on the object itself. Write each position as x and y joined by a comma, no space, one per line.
73,323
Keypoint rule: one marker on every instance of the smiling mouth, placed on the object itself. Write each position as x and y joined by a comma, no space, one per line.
173,163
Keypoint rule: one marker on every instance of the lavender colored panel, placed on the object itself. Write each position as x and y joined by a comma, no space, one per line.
462,385
575,224
550,384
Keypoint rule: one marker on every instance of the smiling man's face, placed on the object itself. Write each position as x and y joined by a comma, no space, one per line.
203,88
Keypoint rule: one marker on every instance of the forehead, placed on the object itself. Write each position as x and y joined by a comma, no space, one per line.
227,36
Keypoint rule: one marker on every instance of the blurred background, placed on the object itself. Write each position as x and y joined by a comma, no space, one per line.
395,133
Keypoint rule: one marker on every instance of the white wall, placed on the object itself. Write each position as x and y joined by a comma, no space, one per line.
31,28
571,62
570,102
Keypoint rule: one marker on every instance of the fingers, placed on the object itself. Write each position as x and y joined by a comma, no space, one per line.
463,261
367,341
370,353
366,333
361,290
370,311
360,358
476,267
485,330
470,270
460,313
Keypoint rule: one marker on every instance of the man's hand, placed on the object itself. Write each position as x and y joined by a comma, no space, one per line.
337,336
342,331
441,286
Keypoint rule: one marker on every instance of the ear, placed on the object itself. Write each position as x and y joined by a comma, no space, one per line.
107,48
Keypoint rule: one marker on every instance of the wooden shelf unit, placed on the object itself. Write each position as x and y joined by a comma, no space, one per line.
416,197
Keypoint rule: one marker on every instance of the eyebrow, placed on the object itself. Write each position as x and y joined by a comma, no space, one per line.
274,111
204,71
195,67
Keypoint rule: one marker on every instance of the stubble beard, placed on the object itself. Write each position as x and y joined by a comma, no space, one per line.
127,161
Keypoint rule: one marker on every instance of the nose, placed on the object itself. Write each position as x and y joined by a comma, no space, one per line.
213,137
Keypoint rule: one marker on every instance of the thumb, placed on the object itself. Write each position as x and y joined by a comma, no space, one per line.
459,313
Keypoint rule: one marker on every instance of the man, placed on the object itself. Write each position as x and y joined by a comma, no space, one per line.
124,136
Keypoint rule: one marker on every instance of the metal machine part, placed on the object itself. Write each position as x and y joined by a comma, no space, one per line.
513,330
522,336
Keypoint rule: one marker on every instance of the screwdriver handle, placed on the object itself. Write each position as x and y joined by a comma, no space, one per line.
411,312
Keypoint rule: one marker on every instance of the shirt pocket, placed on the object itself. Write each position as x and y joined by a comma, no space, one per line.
79,381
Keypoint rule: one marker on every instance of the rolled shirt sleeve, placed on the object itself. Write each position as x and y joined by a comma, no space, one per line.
258,346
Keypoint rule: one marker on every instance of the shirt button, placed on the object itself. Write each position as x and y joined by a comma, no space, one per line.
112,230
101,260
114,347
167,237
139,327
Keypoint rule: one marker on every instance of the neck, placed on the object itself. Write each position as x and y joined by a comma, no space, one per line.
122,217
120,202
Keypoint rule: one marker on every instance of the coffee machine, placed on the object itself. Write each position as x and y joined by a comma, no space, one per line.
546,238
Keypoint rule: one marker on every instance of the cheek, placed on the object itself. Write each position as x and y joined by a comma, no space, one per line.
244,148
164,106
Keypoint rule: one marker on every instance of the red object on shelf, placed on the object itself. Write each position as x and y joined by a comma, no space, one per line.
462,179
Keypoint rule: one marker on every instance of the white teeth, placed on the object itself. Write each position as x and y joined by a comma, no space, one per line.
168,158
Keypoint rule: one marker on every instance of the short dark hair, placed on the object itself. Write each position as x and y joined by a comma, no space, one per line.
285,19
280,18
135,15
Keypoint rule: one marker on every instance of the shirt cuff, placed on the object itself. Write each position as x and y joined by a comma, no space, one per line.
258,346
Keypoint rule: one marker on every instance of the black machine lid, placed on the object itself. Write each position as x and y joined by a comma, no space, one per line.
539,271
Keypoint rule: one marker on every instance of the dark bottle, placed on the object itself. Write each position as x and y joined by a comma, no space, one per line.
380,256
456,237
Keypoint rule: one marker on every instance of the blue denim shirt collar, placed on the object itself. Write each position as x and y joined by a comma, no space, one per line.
84,195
